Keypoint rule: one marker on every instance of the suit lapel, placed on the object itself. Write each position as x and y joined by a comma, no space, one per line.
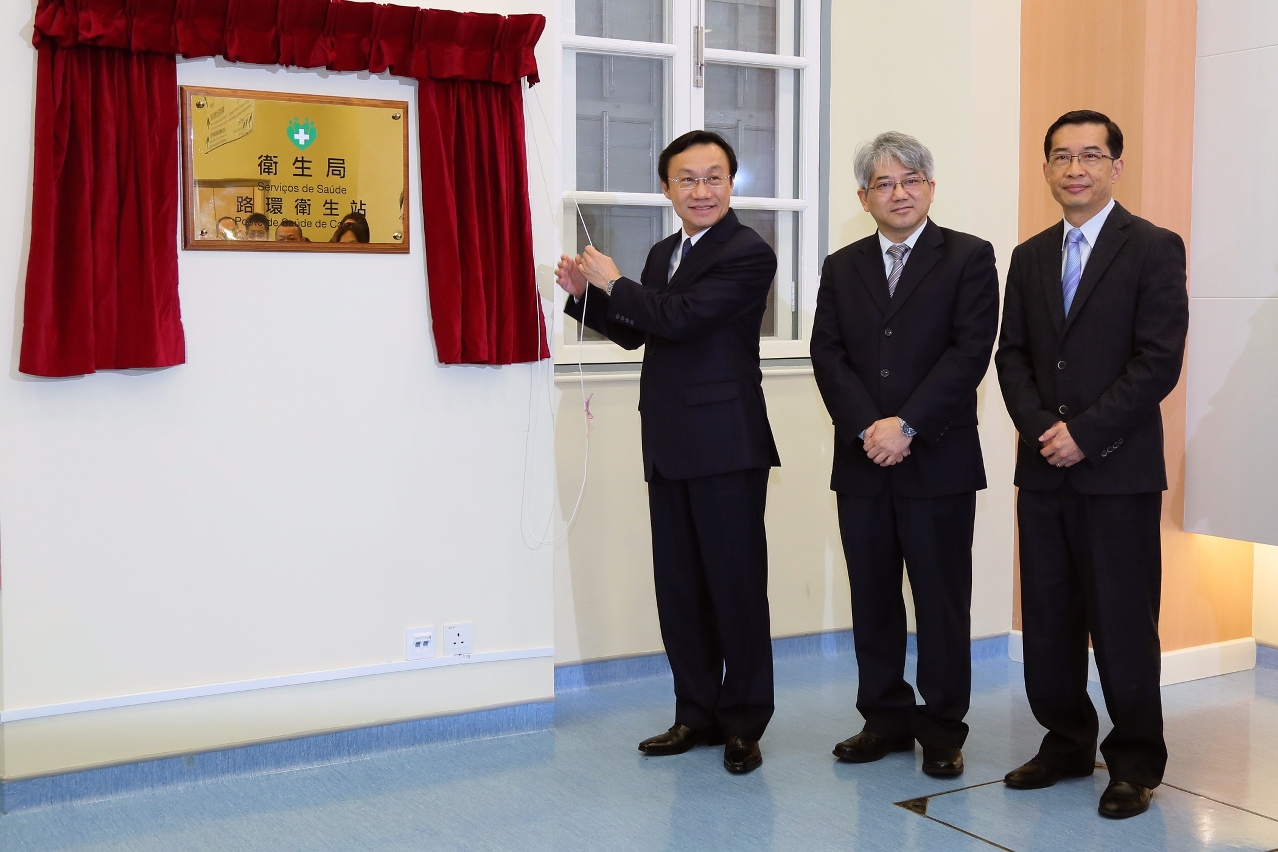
1108,243
869,265
920,260
1049,265
703,252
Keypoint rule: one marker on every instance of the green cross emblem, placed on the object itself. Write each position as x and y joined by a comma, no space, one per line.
301,133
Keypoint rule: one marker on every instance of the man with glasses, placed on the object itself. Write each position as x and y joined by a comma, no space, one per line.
1093,336
707,445
905,322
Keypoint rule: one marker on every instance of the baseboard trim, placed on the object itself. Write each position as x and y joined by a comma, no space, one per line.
583,675
1179,666
18,714
266,758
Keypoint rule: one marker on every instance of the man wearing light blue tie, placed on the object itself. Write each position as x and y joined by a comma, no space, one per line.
1093,337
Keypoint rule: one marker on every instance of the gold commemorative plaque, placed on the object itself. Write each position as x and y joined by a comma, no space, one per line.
266,171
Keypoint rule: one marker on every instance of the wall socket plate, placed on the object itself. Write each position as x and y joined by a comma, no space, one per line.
457,638
420,643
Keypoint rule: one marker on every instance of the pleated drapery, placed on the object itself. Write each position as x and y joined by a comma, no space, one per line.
106,169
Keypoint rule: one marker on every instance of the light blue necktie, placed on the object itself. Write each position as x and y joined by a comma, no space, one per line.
1073,266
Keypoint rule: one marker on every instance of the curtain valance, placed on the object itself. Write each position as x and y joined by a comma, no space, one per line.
340,35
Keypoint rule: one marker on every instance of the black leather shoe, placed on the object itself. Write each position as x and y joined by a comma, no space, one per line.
741,755
1038,774
677,740
1123,799
867,747
942,761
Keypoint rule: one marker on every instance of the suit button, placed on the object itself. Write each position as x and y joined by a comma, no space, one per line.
887,332
1063,409
1060,365
884,373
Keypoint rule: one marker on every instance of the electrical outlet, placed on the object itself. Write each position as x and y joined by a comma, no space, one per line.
421,643
457,638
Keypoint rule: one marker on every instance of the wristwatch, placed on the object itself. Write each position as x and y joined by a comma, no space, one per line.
611,284
906,429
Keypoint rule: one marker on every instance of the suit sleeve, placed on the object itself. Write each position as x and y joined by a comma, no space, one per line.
1015,360
849,403
956,374
732,287
1158,349
595,307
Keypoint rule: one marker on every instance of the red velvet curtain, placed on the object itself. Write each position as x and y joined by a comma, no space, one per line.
478,228
102,273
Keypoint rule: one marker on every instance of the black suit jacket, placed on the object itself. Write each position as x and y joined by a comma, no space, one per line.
1103,369
700,392
918,356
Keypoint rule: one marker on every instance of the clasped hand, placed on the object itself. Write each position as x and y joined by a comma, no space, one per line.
885,443
590,267
1058,446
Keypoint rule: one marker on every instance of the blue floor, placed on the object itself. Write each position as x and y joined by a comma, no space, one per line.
583,785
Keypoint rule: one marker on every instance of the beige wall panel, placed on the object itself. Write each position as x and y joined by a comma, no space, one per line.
1088,55
126,734
1265,596
605,603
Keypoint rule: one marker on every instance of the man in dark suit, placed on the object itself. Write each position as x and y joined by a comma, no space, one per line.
1093,336
707,445
904,326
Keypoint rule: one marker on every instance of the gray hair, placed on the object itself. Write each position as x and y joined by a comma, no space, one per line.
910,151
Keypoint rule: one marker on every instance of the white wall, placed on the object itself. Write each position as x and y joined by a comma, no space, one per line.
957,91
309,485
1231,477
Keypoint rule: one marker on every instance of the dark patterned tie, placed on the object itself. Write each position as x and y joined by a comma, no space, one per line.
898,253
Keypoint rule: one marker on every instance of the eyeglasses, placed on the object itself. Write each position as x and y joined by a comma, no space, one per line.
912,185
687,184
1087,159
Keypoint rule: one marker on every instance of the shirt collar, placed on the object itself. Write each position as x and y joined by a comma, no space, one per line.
1092,227
683,235
885,243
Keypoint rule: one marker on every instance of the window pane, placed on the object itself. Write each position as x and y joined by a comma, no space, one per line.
742,25
620,127
623,233
637,20
781,231
756,110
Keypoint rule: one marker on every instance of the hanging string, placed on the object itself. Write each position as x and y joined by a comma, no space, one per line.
532,540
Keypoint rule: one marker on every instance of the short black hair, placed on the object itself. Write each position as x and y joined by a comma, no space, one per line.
688,140
1113,135
257,219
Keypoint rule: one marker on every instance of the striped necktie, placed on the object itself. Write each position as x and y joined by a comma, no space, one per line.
898,253
1073,267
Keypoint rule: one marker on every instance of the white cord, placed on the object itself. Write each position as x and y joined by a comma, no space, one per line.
531,539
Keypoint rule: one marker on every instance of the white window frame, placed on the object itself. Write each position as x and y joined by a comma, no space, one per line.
685,110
